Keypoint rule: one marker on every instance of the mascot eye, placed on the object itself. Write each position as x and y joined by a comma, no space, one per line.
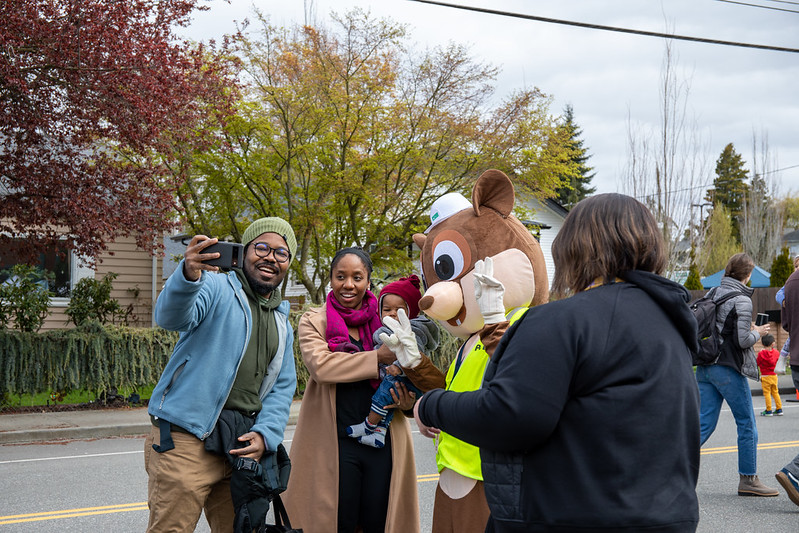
448,260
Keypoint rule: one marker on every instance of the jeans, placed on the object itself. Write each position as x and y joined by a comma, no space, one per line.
717,383
382,395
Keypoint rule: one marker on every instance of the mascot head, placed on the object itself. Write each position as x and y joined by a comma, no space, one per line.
464,232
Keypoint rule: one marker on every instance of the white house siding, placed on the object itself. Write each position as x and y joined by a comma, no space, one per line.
552,215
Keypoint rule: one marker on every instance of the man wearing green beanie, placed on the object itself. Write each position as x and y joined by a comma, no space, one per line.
233,365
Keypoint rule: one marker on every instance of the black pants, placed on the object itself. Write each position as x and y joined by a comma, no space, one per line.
364,476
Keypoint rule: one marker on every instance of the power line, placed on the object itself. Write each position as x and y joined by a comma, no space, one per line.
758,5
784,2
609,28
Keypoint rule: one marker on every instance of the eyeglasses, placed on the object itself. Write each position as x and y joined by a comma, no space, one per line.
262,250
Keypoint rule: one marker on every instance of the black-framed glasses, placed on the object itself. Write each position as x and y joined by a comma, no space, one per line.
262,250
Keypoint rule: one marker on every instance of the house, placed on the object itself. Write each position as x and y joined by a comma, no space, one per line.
791,240
135,287
549,216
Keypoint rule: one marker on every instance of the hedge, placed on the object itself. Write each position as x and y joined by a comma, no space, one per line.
97,357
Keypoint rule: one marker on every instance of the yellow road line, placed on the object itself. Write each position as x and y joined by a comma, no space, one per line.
73,513
764,446
108,509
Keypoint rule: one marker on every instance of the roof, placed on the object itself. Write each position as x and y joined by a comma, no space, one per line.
760,278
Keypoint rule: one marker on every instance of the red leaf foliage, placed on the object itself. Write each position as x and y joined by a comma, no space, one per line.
93,93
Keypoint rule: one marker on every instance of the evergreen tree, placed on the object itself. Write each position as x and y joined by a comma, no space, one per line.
693,283
576,184
781,268
730,187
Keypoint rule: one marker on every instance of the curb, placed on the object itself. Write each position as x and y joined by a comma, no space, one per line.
92,431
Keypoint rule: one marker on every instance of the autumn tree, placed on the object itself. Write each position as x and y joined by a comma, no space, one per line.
92,93
350,133
730,186
720,242
577,185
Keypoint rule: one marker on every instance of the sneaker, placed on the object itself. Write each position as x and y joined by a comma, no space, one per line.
790,483
766,413
778,412
751,486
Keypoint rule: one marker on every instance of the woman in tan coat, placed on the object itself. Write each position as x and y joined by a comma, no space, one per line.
336,483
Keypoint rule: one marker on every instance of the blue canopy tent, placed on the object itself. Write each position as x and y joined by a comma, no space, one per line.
760,278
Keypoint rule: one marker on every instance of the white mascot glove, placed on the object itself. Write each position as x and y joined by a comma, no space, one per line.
489,292
403,341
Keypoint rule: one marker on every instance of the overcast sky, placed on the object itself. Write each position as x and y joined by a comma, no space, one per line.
610,77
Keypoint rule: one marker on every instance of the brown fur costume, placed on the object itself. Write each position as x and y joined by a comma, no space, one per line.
460,236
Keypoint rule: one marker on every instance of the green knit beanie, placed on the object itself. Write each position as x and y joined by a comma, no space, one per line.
271,225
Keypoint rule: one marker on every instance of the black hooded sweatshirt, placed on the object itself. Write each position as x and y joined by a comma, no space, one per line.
588,418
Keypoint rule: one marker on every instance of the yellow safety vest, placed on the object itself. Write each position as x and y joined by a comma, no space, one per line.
453,453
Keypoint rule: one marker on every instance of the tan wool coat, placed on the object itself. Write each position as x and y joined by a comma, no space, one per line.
312,495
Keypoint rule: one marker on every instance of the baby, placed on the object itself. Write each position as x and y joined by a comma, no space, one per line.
399,301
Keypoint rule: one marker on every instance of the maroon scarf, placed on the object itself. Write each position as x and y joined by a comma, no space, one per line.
366,319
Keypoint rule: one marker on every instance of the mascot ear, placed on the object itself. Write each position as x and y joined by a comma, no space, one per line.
495,190
419,239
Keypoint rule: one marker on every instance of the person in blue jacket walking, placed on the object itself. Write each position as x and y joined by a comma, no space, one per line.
235,352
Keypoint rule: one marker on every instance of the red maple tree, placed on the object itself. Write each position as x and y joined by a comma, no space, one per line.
93,93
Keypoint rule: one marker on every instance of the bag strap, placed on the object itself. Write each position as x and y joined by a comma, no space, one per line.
281,515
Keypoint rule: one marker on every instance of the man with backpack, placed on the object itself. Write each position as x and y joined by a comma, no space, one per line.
725,378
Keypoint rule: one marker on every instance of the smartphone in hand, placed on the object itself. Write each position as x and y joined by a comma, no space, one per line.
231,255
761,320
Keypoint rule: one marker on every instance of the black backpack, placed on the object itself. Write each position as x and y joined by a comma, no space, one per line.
710,339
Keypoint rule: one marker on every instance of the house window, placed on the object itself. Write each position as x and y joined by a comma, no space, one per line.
58,262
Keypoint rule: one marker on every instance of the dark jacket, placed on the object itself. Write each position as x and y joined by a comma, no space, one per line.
588,418
790,314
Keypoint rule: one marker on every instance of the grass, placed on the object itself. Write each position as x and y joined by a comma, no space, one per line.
71,397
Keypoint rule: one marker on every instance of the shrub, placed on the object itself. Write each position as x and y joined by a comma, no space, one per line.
693,283
781,268
24,298
91,300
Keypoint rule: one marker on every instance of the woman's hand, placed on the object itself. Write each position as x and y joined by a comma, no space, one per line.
762,330
255,446
425,431
385,356
403,398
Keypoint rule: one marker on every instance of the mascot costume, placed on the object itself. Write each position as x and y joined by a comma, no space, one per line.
482,269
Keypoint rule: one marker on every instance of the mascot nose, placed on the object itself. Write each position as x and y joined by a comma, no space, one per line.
442,301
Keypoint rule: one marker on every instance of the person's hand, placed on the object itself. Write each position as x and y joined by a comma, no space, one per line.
193,264
255,446
393,370
425,431
403,398
763,330
384,354
403,341
489,292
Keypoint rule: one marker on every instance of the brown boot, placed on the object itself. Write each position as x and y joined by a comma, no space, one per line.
751,486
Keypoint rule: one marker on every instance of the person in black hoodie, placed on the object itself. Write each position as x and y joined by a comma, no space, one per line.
588,418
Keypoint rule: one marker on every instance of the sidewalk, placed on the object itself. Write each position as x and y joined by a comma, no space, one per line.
97,424
86,424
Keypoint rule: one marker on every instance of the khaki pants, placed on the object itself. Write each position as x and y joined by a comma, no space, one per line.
185,481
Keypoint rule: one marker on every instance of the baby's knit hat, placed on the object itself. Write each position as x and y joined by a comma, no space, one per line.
271,225
408,290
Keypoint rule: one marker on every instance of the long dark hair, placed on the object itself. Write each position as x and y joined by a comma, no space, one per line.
603,236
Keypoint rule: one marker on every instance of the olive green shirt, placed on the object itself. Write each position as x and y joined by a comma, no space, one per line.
259,352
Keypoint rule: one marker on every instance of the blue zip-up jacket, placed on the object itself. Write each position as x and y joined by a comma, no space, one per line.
213,317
